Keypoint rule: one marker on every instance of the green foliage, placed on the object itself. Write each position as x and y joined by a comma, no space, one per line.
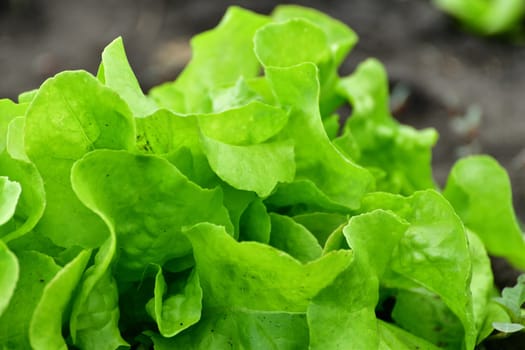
475,198
231,209
486,17
512,299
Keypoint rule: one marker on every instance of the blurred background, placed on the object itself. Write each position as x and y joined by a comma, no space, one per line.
471,89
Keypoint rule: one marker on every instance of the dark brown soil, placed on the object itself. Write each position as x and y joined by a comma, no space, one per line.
470,89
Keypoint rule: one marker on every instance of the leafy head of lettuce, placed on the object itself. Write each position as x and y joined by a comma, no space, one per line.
233,208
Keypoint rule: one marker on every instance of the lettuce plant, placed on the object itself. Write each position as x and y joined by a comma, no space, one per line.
231,209
512,300
486,17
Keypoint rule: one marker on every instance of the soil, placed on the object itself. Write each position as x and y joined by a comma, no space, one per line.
467,87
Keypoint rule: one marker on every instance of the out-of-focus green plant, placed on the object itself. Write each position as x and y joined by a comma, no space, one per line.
486,17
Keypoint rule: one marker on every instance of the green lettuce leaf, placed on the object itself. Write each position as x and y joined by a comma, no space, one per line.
352,298
481,284
394,338
124,188
495,314
241,329
45,329
300,197
115,72
255,223
485,17
36,271
293,238
326,51
434,322
261,303
71,115
316,158
339,37
15,144
237,202
9,277
259,277
474,185
220,56
95,314
8,111
420,312
31,203
250,124
513,298
321,225
242,93
274,48
178,138
402,154
433,252
9,194
175,308
27,96
262,165
164,132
